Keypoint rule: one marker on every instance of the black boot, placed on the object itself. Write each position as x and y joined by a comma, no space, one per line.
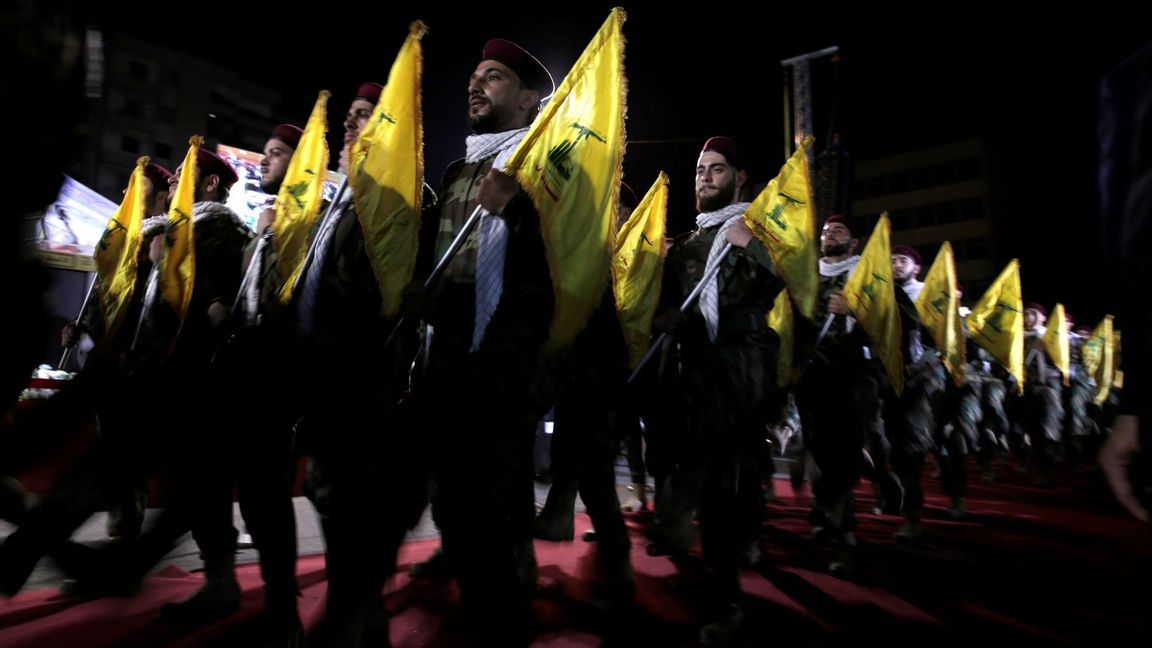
724,628
435,567
219,597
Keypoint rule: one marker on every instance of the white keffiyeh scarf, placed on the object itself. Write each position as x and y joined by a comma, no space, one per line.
485,145
837,268
493,238
725,217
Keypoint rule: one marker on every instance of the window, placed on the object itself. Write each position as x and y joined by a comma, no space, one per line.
129,144
163,150
133,108
925,216
171,78
922,178
968,169
898,183
902,220
166,114
138,70
976,248
872,187
947,213
946,173
971,209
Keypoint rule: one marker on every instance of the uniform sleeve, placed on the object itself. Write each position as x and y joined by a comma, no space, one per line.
757,251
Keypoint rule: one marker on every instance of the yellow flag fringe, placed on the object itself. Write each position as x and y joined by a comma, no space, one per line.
570,163
301,194
178,264
638,268
939,310
870,293
784,219
997,322
387,174
118,252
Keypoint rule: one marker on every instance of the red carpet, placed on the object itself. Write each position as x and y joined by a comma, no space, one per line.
1027,566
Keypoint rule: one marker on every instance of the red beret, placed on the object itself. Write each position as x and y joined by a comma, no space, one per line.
532,72
158,175
908,251
837,218
288,134
1036,307
731,151
208,163
369,92
628,196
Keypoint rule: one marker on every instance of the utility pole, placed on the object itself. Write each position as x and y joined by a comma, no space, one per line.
828,172
798,87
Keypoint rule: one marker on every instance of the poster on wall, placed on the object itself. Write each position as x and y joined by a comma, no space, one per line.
70,228
246,198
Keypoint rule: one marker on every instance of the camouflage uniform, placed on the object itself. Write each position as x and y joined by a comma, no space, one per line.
838,394
958,425
1080,431
483,406
910,416
169,368
364,475
586,442
1042,407
722,391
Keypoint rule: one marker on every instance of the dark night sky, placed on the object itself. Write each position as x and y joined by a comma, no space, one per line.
707,70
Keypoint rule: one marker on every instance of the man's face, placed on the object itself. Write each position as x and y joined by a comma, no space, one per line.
622,213
1032,318
274,164
904,268
205,187
496,100
716,182
155,198
358,115
836,240
173,182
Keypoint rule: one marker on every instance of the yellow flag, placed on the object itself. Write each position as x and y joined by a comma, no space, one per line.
1099,356
638,268
1056,341
300,195
939,310
871,295
782,217
387,173
178,264
569,163
996,322
780,320
118,250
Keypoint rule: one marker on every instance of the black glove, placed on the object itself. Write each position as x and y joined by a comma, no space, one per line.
415,303
668,321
